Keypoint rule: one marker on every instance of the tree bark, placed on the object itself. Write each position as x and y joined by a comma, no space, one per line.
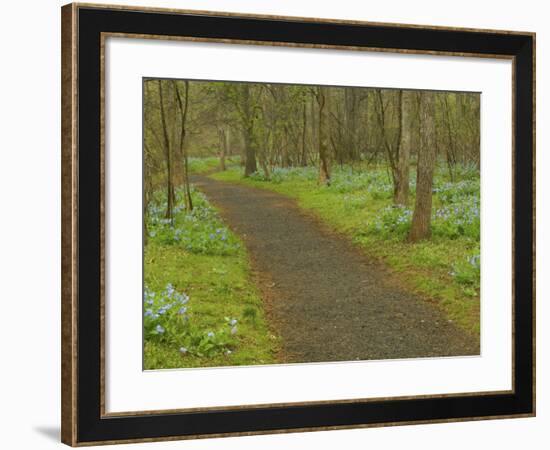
322,142
421,221
451,144
303,161
167,156
248,131
184,107
390,131
401,193
350,121
223,147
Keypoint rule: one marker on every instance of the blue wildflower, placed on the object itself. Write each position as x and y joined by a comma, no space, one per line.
170,290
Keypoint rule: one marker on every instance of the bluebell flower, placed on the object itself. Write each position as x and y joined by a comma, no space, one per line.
170,290
210,334
182,311
234,330
183,350
159,329
233,322
148,313
182,298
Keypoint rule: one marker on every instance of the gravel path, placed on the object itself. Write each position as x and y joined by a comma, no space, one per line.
327,300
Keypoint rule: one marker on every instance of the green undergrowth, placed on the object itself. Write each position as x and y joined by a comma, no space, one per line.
201,307
210,164
358,203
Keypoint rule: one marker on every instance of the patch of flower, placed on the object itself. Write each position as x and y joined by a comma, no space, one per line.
376,182
449,192
456,212
198,231
392,221
167,319
458,219
279,174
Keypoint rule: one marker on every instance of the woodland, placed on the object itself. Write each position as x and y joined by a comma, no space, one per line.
392,173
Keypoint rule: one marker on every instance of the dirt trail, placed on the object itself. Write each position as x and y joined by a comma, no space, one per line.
327,300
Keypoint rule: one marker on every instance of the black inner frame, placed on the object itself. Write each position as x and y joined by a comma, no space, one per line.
90,425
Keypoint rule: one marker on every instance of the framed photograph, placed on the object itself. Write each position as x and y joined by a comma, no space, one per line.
282,224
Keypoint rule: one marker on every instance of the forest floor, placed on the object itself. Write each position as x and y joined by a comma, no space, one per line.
198,290
326,298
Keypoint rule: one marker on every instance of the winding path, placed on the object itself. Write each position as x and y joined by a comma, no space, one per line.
327,300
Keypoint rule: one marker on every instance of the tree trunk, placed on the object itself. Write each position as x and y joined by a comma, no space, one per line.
250,155
451,144
401,196
223,147
390,140
350,120
146,192
184,107
322,142
248,132
167,156
303,161
229,149
285,162
421,220
265,169
314,115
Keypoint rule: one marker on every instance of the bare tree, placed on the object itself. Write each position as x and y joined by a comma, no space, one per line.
421,221
247,116
322,142
222,134
389,115
184,107
401,196
303,158
167,156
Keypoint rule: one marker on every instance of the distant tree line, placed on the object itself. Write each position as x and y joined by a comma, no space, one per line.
276,125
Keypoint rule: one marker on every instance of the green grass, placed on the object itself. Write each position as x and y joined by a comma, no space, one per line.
212,163
445,269
207,264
